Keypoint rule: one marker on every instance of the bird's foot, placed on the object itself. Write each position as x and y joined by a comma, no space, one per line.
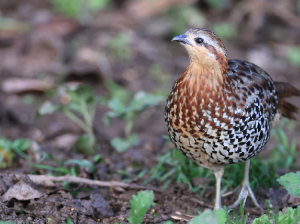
234,191
244,190
218,206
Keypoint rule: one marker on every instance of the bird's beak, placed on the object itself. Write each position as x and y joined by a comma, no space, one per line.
182,39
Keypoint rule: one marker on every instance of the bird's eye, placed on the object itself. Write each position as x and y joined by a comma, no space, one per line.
199,40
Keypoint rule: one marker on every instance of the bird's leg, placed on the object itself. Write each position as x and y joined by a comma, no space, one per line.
244,189
218,174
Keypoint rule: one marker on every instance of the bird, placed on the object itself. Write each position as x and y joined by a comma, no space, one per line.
220,111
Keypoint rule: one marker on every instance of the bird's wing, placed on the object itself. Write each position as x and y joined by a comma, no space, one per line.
249,76
253,86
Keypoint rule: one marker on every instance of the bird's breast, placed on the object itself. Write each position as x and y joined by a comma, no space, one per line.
195,108
208,126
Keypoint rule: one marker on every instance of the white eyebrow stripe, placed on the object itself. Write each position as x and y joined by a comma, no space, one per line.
211,42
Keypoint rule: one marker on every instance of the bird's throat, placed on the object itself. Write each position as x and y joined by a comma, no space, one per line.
204,77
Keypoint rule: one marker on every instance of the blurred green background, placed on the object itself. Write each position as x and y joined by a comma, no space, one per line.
85,82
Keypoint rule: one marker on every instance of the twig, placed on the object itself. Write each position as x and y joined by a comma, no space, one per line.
202,203
280,10
46,181
181,217
284,13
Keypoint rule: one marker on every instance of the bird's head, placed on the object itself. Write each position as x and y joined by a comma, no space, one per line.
204,47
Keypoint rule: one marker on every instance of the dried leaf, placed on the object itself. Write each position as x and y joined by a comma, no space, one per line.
21,191
18,85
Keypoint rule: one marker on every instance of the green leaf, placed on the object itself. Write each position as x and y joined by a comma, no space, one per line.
83,163
5,143
82,91
289,216
140,203
95,5
116,106
225,30
119,45
261,220
85,143
47,108
20,144
46,167
142,100
217,4
168,222
291,182
209,216
69,221
107,116
122,145
75,107
70,8
293,56
97,158
117,91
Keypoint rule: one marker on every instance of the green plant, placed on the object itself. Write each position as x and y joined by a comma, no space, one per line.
127,107
298,7
139,204
71,167
14,26
78,104
284,153
186,15
216,4
291,182
293,55
175,167
221,216
286,216
117,92
119,46
122,145
209,216
163,78
157,72
79,9
68,167
225,30
129,173
69,221
8,150
7,222
242,220
168,222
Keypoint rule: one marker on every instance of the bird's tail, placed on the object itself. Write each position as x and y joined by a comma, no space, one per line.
286,90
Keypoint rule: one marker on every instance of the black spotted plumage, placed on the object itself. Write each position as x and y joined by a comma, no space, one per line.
252,118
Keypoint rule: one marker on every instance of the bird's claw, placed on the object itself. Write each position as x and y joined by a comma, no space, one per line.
245,190
236,190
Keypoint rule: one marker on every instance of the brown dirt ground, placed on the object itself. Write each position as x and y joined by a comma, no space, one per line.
54,45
